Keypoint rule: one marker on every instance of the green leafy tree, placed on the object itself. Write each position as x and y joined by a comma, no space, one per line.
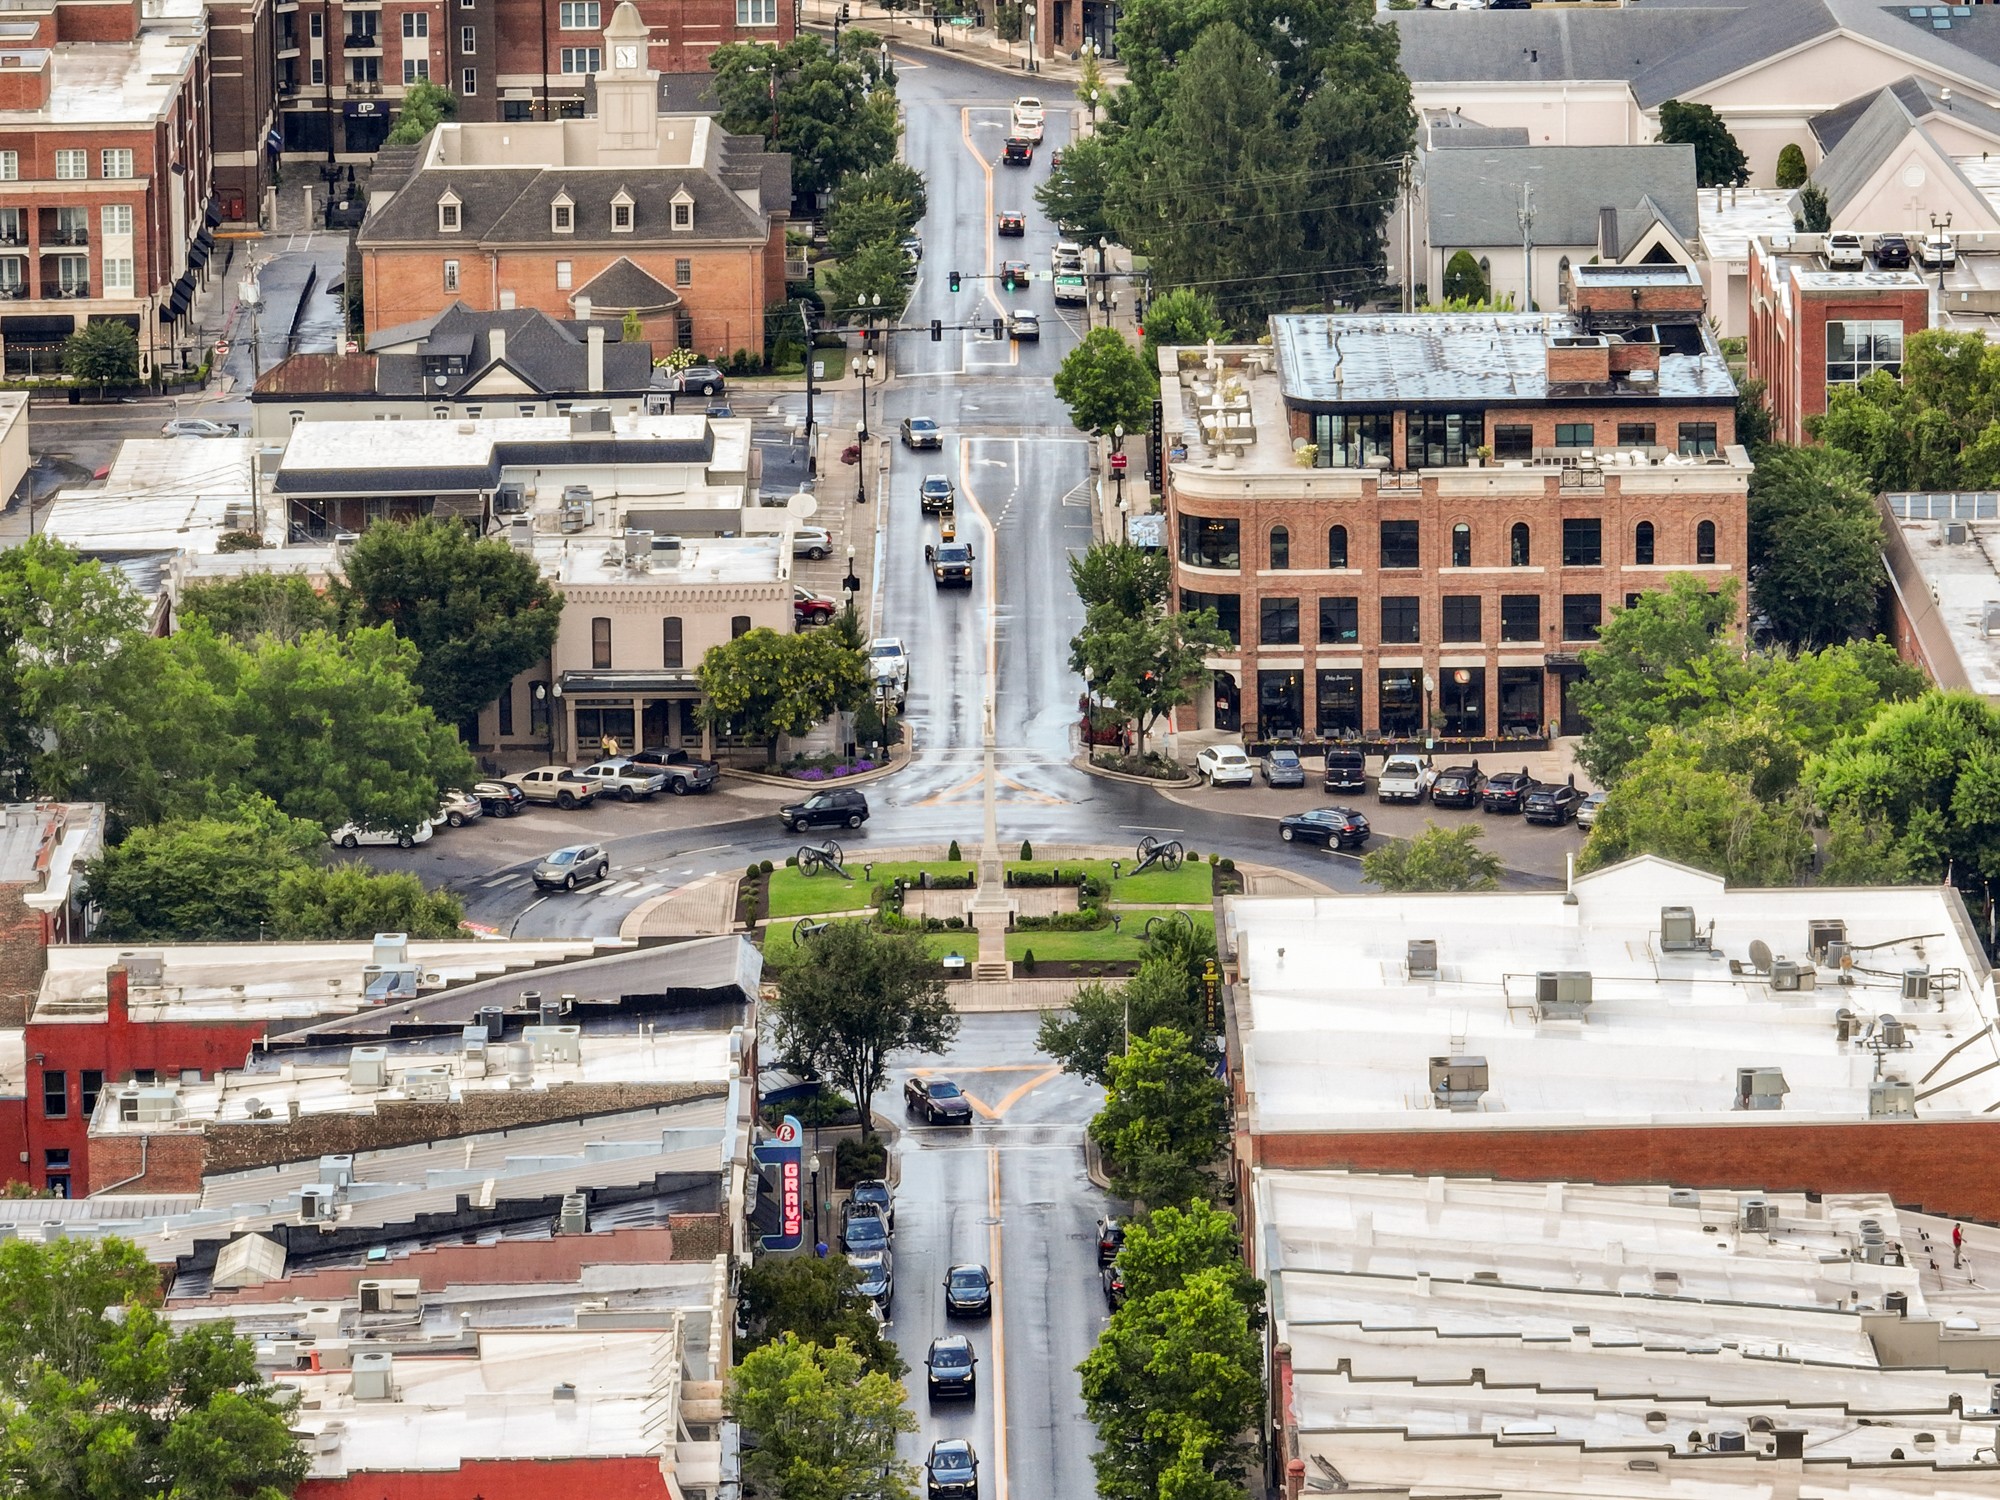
1753,413
1170,1246
1103,382
1180,319
1438,859
879,269
1815,545
1791,166
1639,676
1174,1379
765,684
825,1425
478,612
350,901
1463,278
1148,665
205,880
1934,428
897,181
852,997
426,106
805,101
630,329
1132,580
1074,194
284,605
1718,160
816,1299
1672,803
1815,216
1161,1127
1092,1032
857,220
102,353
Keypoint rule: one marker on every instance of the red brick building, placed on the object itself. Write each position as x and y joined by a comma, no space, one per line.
1812,327
243,101
1412,520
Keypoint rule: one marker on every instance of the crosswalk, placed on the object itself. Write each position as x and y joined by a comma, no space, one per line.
634,889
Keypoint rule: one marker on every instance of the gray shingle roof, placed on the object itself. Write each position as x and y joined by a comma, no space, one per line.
1879,131
623,287
1753,34
1474,197
1922,98
502,205
1535,46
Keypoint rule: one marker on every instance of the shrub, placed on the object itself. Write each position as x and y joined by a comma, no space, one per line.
1228,865
765,867
791,861
952,853
752,872
1791,166
1027,850
1085,919
1194,856
1028,961
857,1161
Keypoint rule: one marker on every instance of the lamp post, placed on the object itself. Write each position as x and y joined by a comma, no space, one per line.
1430,687
1028,10
814,1161
1939,224
852,582
860,465
865,369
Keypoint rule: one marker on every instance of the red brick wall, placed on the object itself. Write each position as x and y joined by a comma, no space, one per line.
1942,1168
1786,347
529,1479
684,35
24,955
158,1162
1574,363
97,20
24,87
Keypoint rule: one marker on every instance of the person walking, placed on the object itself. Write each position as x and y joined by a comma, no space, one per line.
1957,1246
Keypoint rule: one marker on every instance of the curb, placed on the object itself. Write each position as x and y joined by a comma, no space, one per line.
1093,1164
633,920
1084,764
859,778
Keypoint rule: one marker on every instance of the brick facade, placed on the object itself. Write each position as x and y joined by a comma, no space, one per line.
243,101
636,1478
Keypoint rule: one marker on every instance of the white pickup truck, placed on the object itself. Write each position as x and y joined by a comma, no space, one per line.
1404,778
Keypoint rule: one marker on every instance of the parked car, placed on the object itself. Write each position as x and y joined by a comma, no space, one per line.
1586,812
624,778
1024,326
703,380
353,835
1113,1279
1505,791
1055,160
1844,252
1404,778
1936,251
814,542
938,1100
198,427
1067,256
1029,117
684,773
838,809
566,869
936,494
950,1367
1284,768
721,409
876,1270
1346,771
968,1292
1225,765
1458,786
1110,1239
501,799
952,1471
951,565
1892,251
557,784
1458,4
1332,827
922,432
1018,152
1551,802
913,248
458,808
863,1229
1011,223
874,1190
809,608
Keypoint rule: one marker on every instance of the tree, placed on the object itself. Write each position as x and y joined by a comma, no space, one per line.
857,220
103,352
1671,804
1170,1246
1932,428
1718,160
1132,580
1639,676
630,329
852,997
1075,193
1815,545
1088,1036
880,269
1174,1379
1463,278
1815,216
897,181
825,1426
764,684
1180,319
804,101
1161,1127
1753,413
204,880
1103,382
1147,665
350,901
284,605
128,1407
1438,859
818,1300
426,106
478,612
1791,166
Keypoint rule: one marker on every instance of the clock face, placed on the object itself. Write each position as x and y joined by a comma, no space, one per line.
626,57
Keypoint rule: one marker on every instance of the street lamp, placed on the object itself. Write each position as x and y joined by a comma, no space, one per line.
814,1161
860,465
1938,225
1028,10
1430,686
852,582
865,369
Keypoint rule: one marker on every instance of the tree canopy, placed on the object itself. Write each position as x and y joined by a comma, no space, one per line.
1161,1127
1934,428
1148,665
1718,160
1132,580
1791,166
825,1426
1816,569
426,106
1464,279
834,115
1438,859
819,1300
285,605
1103,382
104,352
1075,195
1183,318
1169,1246
1087,1036
765,684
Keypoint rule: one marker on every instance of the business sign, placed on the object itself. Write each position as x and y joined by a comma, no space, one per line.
785,1152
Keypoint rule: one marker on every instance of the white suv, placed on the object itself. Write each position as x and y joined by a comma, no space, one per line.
1028,117
1226,765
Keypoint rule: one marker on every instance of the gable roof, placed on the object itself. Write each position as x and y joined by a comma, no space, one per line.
623,287
1473,197
1922,98
1879,132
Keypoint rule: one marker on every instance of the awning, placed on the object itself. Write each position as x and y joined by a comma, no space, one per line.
213,213
631,683
178,299
32,327
205,237
197,254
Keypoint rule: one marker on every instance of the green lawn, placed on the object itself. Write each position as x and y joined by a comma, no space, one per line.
796,895
1101,946
779,947
1189,885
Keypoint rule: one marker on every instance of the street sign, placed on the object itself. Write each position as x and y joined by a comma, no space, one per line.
221,349
961,20
1118,462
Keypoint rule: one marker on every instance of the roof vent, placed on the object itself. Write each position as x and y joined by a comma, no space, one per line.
1679,931
1891,1099
368,1068
1458,1082
1423,958
1562,994
1989,619
1683,1198
1756,1216
575,1215
1955,533
564,1392
1761,1088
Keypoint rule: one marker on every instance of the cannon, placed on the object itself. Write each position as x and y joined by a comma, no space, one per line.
1168,924
1154,851
805,928
826,857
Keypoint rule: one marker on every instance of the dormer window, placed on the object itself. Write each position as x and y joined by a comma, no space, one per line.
621,213
562,214
448,220
683,210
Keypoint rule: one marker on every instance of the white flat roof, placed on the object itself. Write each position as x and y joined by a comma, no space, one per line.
467,442
703,560
1963,581
1731,217
113,83
1338,1036
163,494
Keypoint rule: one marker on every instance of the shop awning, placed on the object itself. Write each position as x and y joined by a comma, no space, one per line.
213,212
34,328
197,254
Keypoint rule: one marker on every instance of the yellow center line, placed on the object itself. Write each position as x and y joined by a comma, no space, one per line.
986,170
968,500
999,1377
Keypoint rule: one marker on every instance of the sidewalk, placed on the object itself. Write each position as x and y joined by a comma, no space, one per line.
974,44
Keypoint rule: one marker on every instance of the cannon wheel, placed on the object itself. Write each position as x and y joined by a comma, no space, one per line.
830,852
799,930
1172,856
808,859
1147,845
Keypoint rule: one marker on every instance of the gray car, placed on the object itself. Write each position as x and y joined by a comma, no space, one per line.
1283,768
566,869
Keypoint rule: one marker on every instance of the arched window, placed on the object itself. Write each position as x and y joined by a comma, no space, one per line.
1486,270
1704,542
1461,545
1336,547
1517,545
1281,547
1562,279
1642,544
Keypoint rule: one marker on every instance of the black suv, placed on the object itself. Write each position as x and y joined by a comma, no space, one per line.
1551,802
1505,792
1346,771
499,799
1892,251
1458,786
1110,1240
950,1367
825,810
968,1292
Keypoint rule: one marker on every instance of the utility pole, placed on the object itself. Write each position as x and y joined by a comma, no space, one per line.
1410,235
806,318
1527,218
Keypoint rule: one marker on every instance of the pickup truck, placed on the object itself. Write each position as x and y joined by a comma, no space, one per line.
624,778
1071,289
683,772
951,565
557,784
1404,778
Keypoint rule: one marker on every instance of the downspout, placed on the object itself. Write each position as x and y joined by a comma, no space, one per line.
145,1140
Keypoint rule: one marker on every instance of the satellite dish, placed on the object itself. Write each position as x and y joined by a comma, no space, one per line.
1760,956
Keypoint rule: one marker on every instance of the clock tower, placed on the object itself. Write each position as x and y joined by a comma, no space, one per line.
628,91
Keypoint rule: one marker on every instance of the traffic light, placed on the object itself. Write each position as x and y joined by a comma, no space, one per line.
844,13
952,281
1008,282
937,330
999,329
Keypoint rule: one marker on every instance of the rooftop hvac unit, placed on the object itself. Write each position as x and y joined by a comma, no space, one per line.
520,1065
1679,932
1760,1088
639,542
1423,958
521,534
589,419
1955,533
1892,1099
575,1216
1822,934
1728,1442
472,1048
579,507
432,1084
152,1104
1756,1216
319,1203
1836,955
392,948
1457,1083
1562,994
493,1021
368,1068
338,1170
391,1296
374,1375
511,499
1846,1025
556,1044
1891,1035
1683,1198
144,970
1785,973
554,1008
666,551
1917,983
1989,619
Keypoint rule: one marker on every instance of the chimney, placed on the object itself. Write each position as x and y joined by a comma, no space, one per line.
496,344
594,379
582,306
507,301
116,995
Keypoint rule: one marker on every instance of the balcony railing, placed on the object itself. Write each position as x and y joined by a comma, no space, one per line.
65,236
363,41
362,89
71,289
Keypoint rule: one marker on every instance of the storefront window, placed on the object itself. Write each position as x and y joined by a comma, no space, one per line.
1521,700
1281,707
1462,700
1338,707
1399,697
1207,542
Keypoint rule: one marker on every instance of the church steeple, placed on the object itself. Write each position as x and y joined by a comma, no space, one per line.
628,90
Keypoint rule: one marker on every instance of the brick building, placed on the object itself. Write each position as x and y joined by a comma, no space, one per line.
669,218
43,849
1402,518
106,205
243,101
